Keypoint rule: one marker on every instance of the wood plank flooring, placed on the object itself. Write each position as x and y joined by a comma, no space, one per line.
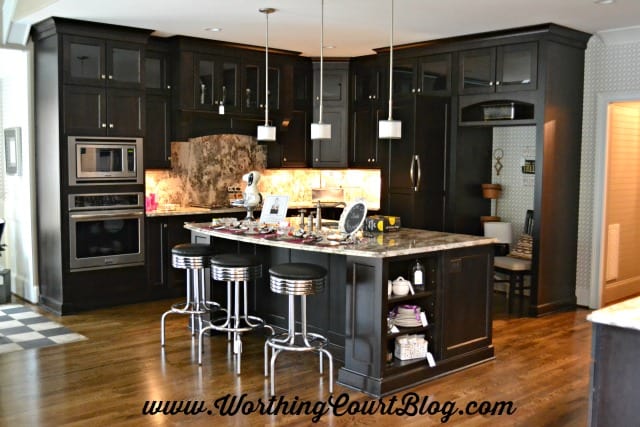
542,366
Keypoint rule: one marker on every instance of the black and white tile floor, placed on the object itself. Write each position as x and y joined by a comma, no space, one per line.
21,329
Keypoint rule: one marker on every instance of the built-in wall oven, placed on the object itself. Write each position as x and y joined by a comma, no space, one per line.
106,230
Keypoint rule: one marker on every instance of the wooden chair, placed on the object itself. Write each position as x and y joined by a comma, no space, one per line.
515,268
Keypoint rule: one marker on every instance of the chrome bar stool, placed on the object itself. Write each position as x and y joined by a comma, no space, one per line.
297,279
194,258
235,269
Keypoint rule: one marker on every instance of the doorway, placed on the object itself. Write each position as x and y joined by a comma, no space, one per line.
619,206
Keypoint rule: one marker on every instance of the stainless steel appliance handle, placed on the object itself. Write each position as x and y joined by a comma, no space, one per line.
413,182
101,215
417,187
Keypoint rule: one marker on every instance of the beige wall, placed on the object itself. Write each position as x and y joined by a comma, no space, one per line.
609,69
622,236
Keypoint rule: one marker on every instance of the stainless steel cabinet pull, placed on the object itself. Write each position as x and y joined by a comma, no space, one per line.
411,172
417,187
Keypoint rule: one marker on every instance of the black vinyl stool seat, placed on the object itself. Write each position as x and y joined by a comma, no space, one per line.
194,258
296,279
235,269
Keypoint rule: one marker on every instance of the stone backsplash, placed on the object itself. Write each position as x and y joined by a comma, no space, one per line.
203,168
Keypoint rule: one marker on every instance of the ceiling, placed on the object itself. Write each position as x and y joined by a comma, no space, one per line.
354,27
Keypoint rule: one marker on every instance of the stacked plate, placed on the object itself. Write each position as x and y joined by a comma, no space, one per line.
407,316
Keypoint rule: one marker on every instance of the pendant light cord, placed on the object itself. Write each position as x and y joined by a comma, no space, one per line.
321,56
391,65
266,76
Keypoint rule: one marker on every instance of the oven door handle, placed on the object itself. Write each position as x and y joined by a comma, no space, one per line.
102,215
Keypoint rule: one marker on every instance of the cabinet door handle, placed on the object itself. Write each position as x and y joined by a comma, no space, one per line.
168,86
284,159
490,83
419,90
413,163
498,83
110,125
110,77
417,187
102,76
104,125
413,90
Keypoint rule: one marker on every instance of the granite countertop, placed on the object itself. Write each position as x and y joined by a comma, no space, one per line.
625,314
192,210
407,241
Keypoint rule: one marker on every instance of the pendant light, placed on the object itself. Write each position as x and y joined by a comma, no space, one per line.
321,130
390,129
266,132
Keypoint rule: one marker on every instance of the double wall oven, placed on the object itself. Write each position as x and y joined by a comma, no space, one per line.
105,203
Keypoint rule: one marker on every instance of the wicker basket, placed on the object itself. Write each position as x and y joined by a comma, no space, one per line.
411,347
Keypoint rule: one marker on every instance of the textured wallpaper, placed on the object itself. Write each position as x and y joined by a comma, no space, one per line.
514,144
612,68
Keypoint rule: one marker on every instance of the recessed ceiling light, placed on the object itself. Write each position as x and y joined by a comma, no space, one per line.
604,1
213,29
330,47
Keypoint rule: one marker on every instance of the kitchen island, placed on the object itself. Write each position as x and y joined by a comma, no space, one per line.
615,345
353,310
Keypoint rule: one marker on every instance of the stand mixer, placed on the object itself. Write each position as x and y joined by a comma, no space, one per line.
251,197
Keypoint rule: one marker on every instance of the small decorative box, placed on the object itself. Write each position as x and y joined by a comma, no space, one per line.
382,223
411,347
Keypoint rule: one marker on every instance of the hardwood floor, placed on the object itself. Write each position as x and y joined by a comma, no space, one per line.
542,366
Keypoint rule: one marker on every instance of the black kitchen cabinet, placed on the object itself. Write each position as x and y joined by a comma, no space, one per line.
157,137
292,148
90,110
102,62
332,152
505,68
217,83
103,81
162,233
416,163
466,301
427,75
364,145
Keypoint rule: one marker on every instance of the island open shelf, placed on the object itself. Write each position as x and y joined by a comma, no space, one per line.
353,310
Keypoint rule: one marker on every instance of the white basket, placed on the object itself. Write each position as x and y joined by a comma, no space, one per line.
411,347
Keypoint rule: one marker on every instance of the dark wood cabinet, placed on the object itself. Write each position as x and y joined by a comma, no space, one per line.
157,137
91,110
217,83
332,152
364,145
466,301
427,75
103,81
157,140
416,163
505,68
102,62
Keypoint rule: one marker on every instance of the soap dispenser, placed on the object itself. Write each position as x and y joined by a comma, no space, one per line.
418,274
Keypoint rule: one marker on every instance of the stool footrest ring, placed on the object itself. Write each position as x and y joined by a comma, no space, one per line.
185,307
225,324
285,341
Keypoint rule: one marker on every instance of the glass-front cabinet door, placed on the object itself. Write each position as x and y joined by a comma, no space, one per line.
435,74
124,65
517,67
229,86
251,88
499,69
84,60
204,82
477,71
96,62
274,89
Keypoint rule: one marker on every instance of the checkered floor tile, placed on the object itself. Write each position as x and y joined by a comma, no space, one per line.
21,329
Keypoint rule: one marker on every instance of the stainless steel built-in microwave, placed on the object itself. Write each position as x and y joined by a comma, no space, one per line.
104,160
